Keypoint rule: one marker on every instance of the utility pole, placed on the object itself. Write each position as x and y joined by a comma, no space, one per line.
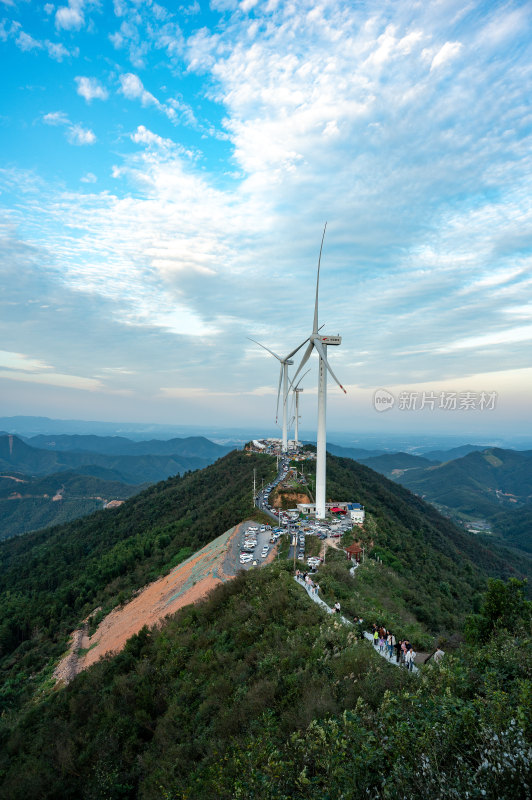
254,484
293,545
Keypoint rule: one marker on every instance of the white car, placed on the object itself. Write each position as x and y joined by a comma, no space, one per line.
265,551
245,558
313,561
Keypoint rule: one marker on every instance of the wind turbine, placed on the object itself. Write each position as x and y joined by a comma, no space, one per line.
320,344
296,391
283,379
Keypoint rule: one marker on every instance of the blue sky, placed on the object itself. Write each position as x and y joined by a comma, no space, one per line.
165,175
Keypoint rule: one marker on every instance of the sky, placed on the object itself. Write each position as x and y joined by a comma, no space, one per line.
166,172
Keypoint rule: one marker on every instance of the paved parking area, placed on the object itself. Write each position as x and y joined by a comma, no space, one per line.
232,559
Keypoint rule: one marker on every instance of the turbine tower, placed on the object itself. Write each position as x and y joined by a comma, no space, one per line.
320,344
283,379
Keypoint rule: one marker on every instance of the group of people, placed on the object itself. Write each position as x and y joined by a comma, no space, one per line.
385,641
310,586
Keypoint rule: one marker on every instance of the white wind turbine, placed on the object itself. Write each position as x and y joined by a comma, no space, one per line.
297,389
320,344
283,379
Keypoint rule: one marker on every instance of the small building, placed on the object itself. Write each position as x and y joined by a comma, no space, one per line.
356,512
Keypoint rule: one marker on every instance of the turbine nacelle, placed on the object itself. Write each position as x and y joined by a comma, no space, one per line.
328,340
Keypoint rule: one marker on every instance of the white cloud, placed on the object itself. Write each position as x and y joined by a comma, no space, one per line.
144,136
21,367
56,118
58,51
90,177
91,89
132,87
49,8
25,42
20,361
70,17
448,52
55,379
77,134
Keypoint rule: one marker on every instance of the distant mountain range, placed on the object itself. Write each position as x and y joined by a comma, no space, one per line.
81,452
190,447
82,472
480,482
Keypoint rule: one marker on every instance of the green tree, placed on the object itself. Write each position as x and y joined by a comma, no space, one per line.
504,608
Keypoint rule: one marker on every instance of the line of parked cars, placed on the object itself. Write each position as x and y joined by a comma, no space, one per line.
280,477
249,542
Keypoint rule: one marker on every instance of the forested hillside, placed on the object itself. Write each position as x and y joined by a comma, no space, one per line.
439,568
52,579
28,504
256,693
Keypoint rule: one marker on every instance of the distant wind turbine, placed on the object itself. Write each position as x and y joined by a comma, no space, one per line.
320,344
283,380
296,391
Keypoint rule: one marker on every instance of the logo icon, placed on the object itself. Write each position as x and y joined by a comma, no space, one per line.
383,400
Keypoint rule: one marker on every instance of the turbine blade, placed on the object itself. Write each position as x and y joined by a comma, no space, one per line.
265,348
315,325
319,347
306,356
279,394
297,348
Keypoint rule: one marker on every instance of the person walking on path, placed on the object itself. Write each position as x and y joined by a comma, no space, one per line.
397,650
337,607
409,658
376,637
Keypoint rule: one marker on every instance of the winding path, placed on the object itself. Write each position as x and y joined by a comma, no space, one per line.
329,610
